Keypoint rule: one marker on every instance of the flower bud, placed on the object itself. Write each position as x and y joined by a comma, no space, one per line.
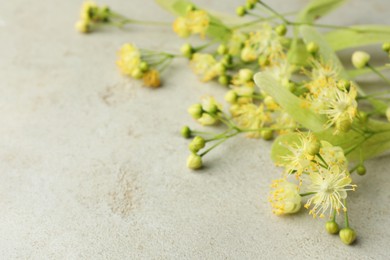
195,111
361,170
263,61
185,132
194,161
281,30
227,59
267,134
388,114
313,147
360,59
344,84
240,11
386,47
190,8
187,50
347,235
137,73
224,80
222,49
196,144
231,97
143,66
363,116
82,26
332,227
245,75
312,47
220,68
343,124
249,5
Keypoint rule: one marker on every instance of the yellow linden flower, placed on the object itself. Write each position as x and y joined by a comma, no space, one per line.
194,22
152,79
330,186
129,59
250,117
284,197
204,65
236,42
181,28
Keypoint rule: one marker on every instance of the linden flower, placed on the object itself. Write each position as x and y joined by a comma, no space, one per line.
250,117
342,106
152,79
195,22
299,159
129,59
211,108
236,42
330,187
284,197
205,66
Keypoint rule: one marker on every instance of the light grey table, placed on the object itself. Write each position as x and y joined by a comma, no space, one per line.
92,165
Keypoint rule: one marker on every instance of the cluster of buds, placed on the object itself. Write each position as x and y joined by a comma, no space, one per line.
92,15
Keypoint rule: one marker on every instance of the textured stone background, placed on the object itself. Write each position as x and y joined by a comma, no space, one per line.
92,165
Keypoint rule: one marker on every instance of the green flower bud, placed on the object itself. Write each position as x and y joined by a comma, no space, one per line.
194,161
212,109
137,73
360,59
220,68
187,50
344,84
185,132
313,147
196,144
249,5
195,111
231,97
312,47
240,11
190,8
344,124
363,116
224,80
361,170
245,74
267,134
347,235
386,47
227,59
332,227
388,114
222,49
143,66
281,30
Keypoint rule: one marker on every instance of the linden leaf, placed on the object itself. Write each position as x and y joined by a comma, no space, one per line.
318,8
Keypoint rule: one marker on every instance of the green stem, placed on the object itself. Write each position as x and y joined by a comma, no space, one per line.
377,72
346,214
306,194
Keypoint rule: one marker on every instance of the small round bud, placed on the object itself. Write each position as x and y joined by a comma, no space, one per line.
220,68
185,132
344,84
195,111
222,49
194,161
143,66
332,227
313,147
227,59
187,50
190,8
245,75
347,235
312,48
249,5
231,97
240,11
360,59
137,73
83,26
388,114
361,170
386,47
281,30
224,80
267,134
363,117
263,61
196,144
212,109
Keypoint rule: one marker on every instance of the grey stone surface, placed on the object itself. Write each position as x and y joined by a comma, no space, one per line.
92,165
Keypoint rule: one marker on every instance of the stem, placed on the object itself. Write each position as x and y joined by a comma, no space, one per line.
334,215
346,214
306,194
377,72
322,159
217,144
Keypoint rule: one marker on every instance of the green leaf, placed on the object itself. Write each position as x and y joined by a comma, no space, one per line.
289,102
176,7
364,35
298,54
318,8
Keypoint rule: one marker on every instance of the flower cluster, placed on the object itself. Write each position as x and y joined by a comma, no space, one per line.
92,15
194,22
